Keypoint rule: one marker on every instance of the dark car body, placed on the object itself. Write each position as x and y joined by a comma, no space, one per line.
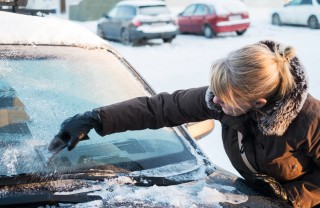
132,21
212,17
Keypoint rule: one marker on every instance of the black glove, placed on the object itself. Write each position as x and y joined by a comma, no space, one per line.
74,130
268,185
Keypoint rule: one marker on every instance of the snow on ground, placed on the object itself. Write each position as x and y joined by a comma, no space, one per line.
186,62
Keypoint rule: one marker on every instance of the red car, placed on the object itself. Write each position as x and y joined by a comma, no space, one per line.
214,16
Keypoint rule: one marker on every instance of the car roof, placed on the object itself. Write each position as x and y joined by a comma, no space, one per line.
219,2
48,30
234,6
138,3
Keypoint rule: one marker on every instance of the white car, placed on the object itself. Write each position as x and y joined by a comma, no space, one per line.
298,12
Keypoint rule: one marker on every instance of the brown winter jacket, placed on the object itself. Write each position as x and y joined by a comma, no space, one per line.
293,159
283,141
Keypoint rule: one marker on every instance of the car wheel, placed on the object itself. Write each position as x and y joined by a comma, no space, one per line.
125,37
167,40
241,32
100,32
276,20
313,22
208,32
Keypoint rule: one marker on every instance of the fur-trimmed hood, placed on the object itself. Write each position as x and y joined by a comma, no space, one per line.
278,115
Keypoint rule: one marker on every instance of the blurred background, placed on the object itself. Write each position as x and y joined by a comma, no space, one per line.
85,10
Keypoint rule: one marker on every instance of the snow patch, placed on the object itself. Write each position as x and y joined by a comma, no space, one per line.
9,158
34,30
210,196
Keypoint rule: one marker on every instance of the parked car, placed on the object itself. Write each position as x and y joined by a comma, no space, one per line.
210,17
52,69
132,21
298,12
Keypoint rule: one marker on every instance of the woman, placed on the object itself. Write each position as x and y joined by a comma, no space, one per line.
270,124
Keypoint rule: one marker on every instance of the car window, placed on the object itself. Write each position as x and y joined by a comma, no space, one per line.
210,9
129,11
201,10
126,12
113,12
318,1
294,2
153,10
189,10
306,2
42,86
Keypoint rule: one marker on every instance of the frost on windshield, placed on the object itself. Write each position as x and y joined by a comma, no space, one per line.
52,84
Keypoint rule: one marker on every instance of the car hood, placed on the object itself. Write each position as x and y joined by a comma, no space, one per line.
34,30
220,189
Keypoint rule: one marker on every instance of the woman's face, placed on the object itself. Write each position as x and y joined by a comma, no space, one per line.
243,108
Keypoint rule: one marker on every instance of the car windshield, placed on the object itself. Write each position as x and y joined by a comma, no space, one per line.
41,86
153,10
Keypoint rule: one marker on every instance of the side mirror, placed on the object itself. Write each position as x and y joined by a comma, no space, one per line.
180,14
106,15
200,129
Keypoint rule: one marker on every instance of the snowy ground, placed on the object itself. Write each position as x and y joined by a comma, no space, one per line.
185,63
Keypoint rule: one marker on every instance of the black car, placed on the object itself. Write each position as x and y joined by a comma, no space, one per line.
132,21
47,77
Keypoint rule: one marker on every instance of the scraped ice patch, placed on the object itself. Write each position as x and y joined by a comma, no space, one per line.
44,154
9,158
18,156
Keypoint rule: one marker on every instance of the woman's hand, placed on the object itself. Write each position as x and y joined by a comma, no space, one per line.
268,185
75,129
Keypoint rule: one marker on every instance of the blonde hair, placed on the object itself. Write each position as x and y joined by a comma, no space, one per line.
253,72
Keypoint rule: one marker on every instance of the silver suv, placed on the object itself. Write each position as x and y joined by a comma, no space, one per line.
132,21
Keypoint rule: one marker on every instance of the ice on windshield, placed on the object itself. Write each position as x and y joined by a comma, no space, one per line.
54,83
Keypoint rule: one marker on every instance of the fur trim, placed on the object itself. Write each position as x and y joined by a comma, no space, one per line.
283,112
209,100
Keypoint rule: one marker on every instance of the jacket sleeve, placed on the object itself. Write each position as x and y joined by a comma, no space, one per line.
155,112
305,192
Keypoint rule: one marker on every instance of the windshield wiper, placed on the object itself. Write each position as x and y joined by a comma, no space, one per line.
43,197
28,196
99,175
139,180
